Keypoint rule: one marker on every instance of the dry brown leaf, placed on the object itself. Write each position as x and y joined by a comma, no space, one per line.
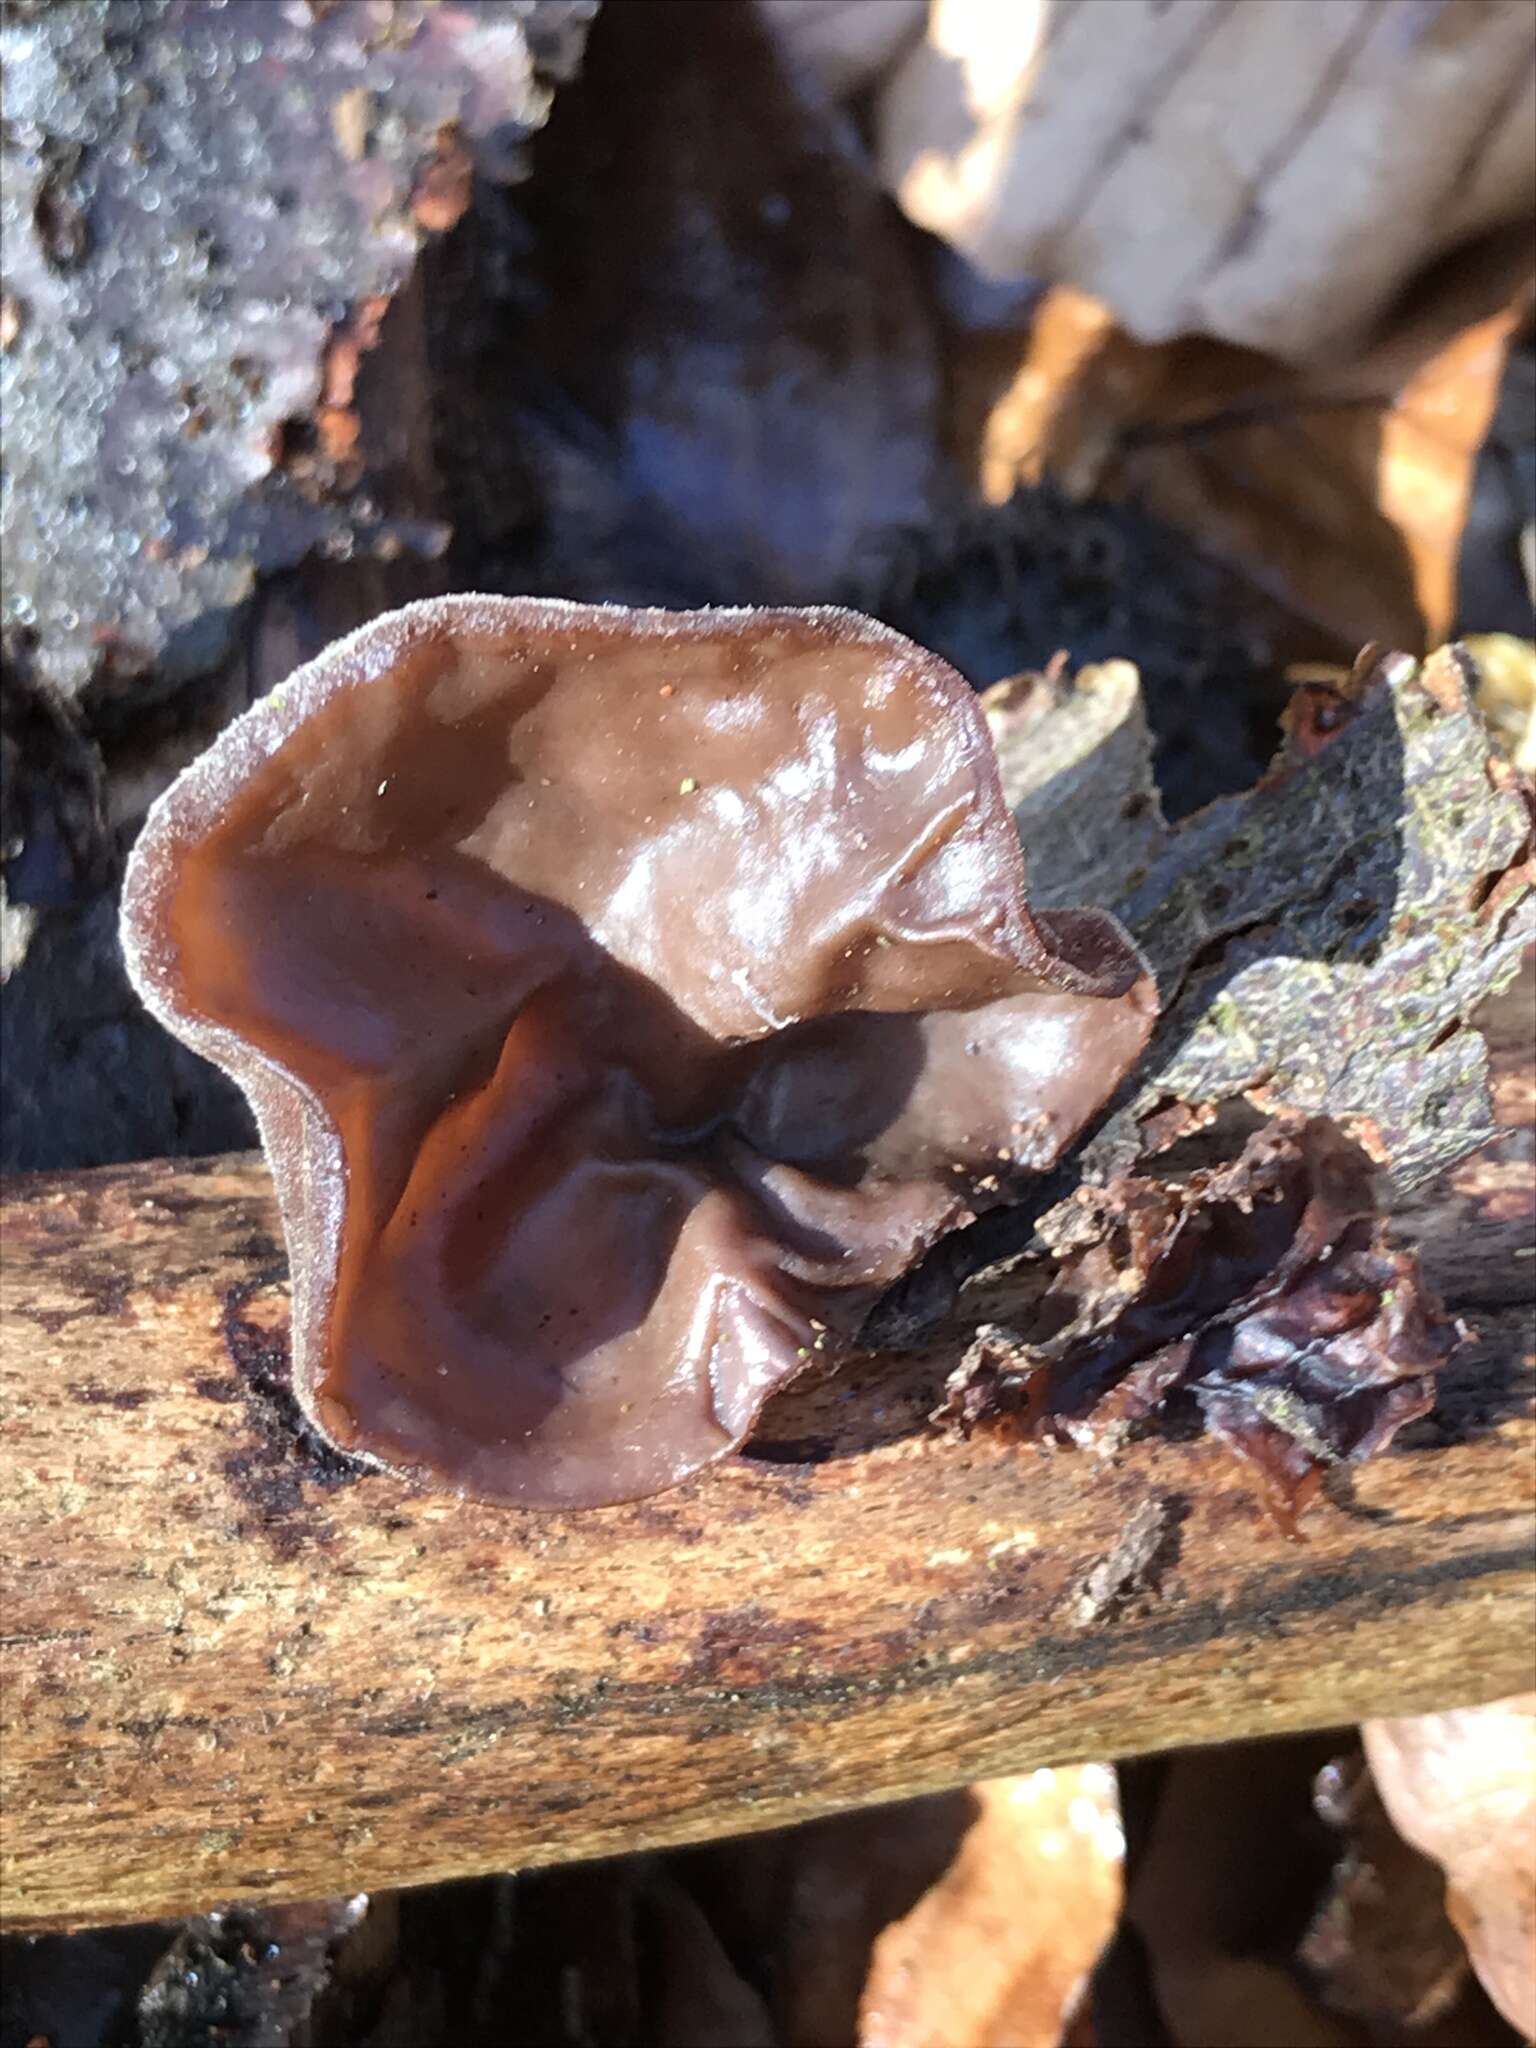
844,43
1209,167
802,1907
1379,1945
997,1953
1341,493
697,1999
1227,1853
722,385
1462,1787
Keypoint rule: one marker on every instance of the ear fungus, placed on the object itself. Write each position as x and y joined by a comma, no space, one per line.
626,999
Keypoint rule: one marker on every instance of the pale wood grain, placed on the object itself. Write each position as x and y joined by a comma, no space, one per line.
229,1677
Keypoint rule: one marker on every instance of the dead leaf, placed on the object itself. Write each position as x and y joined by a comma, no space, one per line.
717,379
1341,493
997,1952
845,43
1226,1862
1380,1946
1206,169
1462,1787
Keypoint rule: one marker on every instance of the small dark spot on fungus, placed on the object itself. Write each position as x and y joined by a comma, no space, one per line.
592,1111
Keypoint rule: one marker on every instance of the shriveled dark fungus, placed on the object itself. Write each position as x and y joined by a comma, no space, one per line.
626,998
1267,1291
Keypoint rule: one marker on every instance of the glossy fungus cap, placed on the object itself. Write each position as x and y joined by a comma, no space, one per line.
626,999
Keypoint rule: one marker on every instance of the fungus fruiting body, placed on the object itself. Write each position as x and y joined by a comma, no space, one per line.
626,999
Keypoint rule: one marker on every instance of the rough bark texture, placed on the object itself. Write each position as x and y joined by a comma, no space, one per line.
1320,941
236,1670
207,213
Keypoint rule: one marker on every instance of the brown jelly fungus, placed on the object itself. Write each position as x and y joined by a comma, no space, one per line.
626,999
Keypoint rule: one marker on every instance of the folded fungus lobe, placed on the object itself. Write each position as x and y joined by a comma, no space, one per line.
626,999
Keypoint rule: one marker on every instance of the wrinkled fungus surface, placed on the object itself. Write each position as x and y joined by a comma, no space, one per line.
1267,1290
626,998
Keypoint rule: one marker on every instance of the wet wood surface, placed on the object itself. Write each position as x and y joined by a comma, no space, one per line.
231,1673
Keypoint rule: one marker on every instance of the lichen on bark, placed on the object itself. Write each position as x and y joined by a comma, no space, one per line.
1321,940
